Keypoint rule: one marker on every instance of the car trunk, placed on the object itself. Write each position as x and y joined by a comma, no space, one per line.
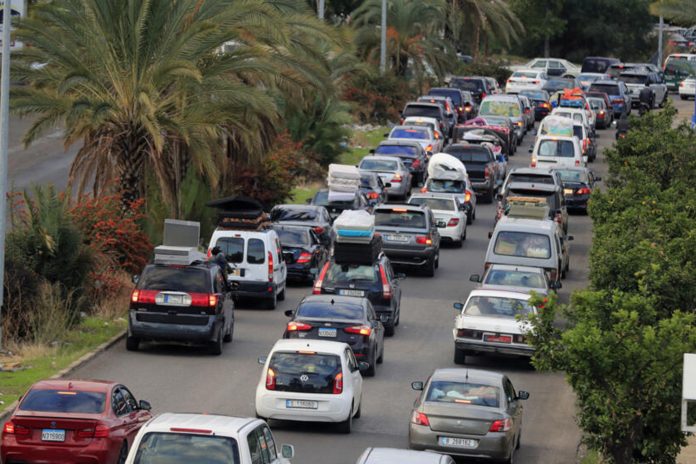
357,288
323,329
292,253
460,418
51,424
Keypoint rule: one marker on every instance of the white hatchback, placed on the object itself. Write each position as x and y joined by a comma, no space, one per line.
310,381
554,152
450,214
687,88
188,438
526,79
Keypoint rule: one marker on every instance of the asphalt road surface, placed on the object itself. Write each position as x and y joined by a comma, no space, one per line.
183,379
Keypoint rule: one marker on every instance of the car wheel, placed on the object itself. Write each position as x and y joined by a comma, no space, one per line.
511,459
519,440
488,198
229,334
437,260
281,295
216,346
397,316
272,302
358,413
469,217
464,235
429,270
380,360
123,454
346,425
473,217
389,330
372,370
459,356
132,344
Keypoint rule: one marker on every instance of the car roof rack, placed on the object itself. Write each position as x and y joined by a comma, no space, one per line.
177,255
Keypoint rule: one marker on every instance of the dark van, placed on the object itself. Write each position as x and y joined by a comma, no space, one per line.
597,64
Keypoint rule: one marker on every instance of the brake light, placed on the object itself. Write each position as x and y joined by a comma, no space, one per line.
338,384
386,286
577,162
486,172
295,326
359,329
11,428
270,379
401,121
553,275
416,162
320,281
100,431
583,191
210,253
424,240
429,148
396,178
453,222
424,189
419,418
483,94
618,101
467,196
468,333
546,105
304,258
558,218
318,230
501,425
270,266
143,296
519,123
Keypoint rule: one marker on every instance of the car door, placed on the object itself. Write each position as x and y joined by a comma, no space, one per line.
227,303
556,68
280,271
394,282
136,417
514,406
122,411
377,327
356,379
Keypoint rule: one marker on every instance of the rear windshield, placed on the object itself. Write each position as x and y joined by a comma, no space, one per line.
559,148
397,218
371,164
523,244
440,204
289,237
596,65
445,186
535,95
185,448
471,155
64,401
530,75
496,306
232,247
500,108
454,95
634,79
596,104
181,279
256,251
560,84
531,178
609,89
346,273
463,393
336,311
288,214
472,85
515,278
307,373
322,199
572,176
396,150
425,111
417,134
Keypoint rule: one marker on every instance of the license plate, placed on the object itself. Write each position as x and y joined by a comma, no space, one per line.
497,338
323,332
174,299
301,404
396,238
568,191
52,435
236,272
345,292
457,442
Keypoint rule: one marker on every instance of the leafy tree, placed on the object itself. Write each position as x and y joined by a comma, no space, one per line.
680,11
542,21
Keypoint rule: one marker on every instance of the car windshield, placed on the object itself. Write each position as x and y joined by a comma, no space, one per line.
596,104
560,84
559,148
454,95
181,279
442,391
417,134
400,218
609,89
472,85
634,79
322,199
346,273
306,372
445,186
572,175
68,401
523,244
588,77
368,182
497,306
290,214
186,448
295,236
440,204
332,311
371,164
396,150
512,278
500,108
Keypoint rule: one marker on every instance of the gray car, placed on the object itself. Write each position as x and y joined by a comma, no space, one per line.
392,171
401,456
469,413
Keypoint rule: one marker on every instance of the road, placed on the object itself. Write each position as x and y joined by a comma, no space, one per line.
182,379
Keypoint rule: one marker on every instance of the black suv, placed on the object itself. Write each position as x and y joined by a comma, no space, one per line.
410,236
345,201
315,217
478,86
411,154
376,282
181,303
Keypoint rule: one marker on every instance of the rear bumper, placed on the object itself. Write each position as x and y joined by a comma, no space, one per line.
477,346
300,271
482,185
173,332
250,289
577,202
540,113
496,445
400,256
331,408
98,451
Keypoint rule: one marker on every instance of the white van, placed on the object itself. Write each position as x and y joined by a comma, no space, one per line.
556,152
530,242
256,265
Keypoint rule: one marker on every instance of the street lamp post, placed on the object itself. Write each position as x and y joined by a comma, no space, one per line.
320,12
4,131
383,41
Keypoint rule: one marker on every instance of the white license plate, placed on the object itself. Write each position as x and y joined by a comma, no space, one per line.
52,435
174,299
568,191
346,292
236,272
396,238
301,404
457,442
323,332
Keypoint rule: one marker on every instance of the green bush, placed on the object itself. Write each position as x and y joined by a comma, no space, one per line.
486,68
377,99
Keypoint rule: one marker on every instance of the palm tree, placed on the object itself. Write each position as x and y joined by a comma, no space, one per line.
152,88
469,19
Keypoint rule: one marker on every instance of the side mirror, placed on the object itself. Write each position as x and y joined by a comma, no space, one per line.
135,279
144,405
570,238
475,278
531,150
289,312
418,386
372,151
287,451
522,395
386,134
458,306
499,197
262,359
490,234
363,366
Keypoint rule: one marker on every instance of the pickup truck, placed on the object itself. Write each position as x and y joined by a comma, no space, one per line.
481,166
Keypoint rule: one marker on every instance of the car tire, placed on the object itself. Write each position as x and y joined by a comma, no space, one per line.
458,243
281,295
132,344
346,425
464,235
389,330
473,216
372,370
519,440
272,302
470,217
459,356
437,260
216,346
511,459
429,270
488,198
228,336
123,454
380,360
358,413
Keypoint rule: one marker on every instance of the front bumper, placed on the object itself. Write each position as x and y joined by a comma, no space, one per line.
204,329
493,445
478,346
409,257
331,408
251,289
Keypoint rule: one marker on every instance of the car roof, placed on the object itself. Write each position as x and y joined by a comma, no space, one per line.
512,267
419,103
449,89
464,374
503,97
527,225
74,384
572,168
443,196
298,207
605,82
403,142
635,72
382,157
556,137
411,126
542,171
320,346
502,293
213,424
331,299
532,186
401,456
400,206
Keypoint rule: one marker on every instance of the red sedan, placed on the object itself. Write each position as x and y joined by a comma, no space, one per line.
73,421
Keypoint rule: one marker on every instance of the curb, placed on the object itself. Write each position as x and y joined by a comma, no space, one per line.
84,359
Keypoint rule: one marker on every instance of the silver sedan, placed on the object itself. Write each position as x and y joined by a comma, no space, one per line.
395,175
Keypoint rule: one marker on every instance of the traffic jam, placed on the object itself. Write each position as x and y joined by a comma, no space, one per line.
352,249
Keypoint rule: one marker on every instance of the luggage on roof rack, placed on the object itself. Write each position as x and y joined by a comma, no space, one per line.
343,178
354,227
240,212
358,253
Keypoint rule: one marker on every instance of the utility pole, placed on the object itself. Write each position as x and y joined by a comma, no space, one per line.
383,44
320,12
659,42
4,133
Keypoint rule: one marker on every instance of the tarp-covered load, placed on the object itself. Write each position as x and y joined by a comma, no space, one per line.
446,167
240,213
354,227
556,126
343,178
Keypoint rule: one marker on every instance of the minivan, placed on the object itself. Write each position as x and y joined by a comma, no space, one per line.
530,242
597,64
552,151
256,268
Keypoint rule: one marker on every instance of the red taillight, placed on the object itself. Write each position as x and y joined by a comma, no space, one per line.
617,100
553,275
270,379
359,330
429,148
467,196
295,326
401,121
338,384
11,428
583,191
415,164
454,222
373,195
483,94
396,178
318,230
100,431
501,425
316,290
304,258
577,162
486,172
204,299
212,300
419,418
546,105
270,266
424,189
386,286
558,218
210,253
424,240
144,296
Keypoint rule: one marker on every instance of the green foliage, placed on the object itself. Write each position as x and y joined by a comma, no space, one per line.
486,68
542,20
377,99
679,11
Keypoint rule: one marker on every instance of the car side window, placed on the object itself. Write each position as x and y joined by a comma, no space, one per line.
270,443
130,399
255,448
118,402
350,358
509,391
